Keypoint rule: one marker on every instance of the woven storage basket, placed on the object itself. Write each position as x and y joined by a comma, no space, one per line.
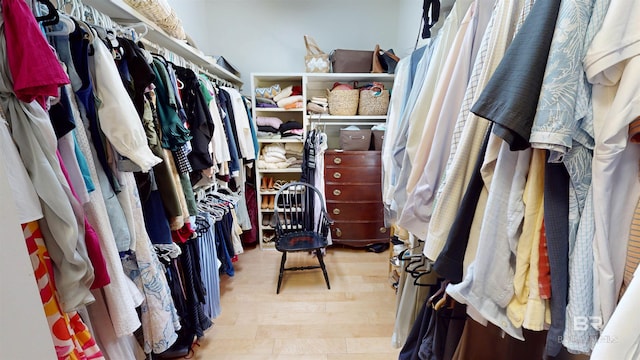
343,102
173,26
161,13
153,9
372,104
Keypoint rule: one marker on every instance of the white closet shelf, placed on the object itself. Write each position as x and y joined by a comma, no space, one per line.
258,109
281,171
280,77
350,77
122,13
328,118
267,140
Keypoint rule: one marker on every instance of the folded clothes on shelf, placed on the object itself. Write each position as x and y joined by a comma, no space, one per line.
290,125
269,121
268,129
290,100
268,135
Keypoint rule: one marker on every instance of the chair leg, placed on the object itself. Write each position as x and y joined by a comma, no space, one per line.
324,269
284,260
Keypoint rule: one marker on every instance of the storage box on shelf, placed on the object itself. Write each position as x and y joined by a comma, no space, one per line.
318,84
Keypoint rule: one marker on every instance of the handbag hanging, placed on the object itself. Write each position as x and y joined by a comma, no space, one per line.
384,61
316,61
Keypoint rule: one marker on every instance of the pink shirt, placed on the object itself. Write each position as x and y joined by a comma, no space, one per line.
34,67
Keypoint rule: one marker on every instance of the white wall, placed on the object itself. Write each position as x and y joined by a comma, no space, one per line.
267,35
409,15
25,333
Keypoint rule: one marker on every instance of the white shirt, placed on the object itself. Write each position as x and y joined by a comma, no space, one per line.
393,121
470,129
417,117
119,120
612,64
433,151
620,339
243,127
27,201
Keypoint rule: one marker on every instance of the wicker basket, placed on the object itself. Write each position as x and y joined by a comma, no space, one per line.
153,9
343,102
173,26
161,13
372,104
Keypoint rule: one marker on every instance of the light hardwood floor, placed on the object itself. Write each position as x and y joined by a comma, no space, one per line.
353,320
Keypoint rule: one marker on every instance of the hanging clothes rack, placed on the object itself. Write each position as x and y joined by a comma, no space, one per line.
179,60
200,63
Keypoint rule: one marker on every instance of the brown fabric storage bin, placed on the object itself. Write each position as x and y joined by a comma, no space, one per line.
351,61
378,137
355,139
370,104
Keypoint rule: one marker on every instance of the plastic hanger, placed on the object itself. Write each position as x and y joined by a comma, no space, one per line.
68,26
52,17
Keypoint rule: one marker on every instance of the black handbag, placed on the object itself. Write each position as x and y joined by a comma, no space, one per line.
384,61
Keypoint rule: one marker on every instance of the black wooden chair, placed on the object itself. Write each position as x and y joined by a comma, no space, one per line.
301,224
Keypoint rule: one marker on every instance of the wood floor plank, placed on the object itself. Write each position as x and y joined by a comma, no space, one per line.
310,346
306,321
237,346
323,331
369,345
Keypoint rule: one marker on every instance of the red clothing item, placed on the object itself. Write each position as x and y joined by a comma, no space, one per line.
34,67
92,242
544,269
183,234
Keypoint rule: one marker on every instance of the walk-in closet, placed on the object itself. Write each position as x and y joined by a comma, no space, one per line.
319,180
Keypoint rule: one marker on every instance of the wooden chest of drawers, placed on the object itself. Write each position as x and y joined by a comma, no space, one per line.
354,197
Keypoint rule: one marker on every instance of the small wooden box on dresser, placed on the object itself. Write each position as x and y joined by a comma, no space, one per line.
354,197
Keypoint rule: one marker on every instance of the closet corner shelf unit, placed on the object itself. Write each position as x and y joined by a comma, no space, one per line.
123,13
259,80
371,229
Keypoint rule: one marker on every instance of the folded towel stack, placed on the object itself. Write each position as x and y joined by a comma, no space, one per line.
289,100
294,150
318,105
294,153
274,156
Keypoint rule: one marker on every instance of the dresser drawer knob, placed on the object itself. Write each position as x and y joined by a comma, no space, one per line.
337,175
383,230
336,211
337,160
337,192
338,232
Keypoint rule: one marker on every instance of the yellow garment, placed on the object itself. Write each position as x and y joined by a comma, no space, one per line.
526,308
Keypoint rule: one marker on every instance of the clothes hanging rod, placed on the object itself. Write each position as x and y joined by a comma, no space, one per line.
94,17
